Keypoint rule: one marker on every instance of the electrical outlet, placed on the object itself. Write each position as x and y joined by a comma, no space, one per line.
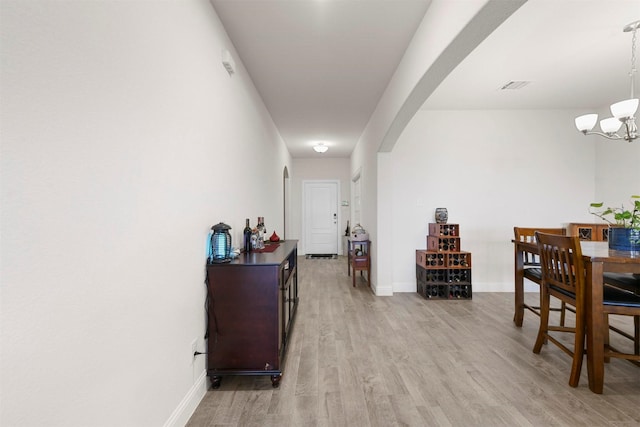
194,348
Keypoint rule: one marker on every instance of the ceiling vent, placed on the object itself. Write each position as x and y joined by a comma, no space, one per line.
514,85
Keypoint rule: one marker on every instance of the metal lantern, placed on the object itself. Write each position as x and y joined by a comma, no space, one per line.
220,243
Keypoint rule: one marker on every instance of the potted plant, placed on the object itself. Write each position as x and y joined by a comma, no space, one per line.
624,224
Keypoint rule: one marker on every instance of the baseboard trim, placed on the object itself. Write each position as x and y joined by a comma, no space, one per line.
187,407
383,291
404,287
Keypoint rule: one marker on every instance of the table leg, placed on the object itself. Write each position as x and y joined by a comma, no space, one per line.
595,326
519,287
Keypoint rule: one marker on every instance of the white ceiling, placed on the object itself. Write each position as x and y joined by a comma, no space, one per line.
574,53
321,66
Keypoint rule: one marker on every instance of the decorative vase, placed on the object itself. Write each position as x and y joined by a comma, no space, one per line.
441,215
624,239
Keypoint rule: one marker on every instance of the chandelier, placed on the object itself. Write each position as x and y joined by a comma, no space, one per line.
623,112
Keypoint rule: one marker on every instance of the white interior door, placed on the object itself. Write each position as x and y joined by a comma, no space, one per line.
321,217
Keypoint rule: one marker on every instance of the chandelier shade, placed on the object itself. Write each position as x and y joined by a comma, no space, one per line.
587,122
610,125
624,109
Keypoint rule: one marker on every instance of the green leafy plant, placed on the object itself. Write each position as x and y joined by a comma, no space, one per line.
628,218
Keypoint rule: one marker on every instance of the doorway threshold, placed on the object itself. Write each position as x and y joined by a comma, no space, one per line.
321,256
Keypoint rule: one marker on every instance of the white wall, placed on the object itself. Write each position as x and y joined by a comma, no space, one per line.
319,169
123,140
492,170
617,171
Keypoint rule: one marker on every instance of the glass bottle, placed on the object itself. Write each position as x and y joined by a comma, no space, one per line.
247,237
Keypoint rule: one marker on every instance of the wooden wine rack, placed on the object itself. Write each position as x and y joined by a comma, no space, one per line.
443,271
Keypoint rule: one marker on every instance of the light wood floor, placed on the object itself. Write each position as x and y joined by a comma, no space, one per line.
355,359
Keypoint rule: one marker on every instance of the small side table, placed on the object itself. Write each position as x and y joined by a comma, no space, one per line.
359,259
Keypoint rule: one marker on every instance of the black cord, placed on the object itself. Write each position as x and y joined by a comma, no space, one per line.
210,310
206,302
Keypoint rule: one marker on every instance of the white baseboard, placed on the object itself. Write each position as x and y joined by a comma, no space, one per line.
404,287
382,291
187,407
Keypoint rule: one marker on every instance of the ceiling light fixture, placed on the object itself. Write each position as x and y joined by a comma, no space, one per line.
623,112
320,147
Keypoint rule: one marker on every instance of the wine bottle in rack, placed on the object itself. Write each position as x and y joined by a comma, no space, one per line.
465,292
456,291
247,237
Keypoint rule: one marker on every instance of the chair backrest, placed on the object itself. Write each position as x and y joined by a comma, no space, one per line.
527,234
561,264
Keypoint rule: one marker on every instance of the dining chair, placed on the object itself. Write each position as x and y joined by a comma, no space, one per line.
623,300
628,286
563,277
531,263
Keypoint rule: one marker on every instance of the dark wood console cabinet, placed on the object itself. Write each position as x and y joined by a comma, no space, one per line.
251,306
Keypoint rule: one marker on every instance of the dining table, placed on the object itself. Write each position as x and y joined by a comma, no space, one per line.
598,260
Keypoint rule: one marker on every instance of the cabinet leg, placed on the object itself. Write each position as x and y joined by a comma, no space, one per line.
275,380
215,381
